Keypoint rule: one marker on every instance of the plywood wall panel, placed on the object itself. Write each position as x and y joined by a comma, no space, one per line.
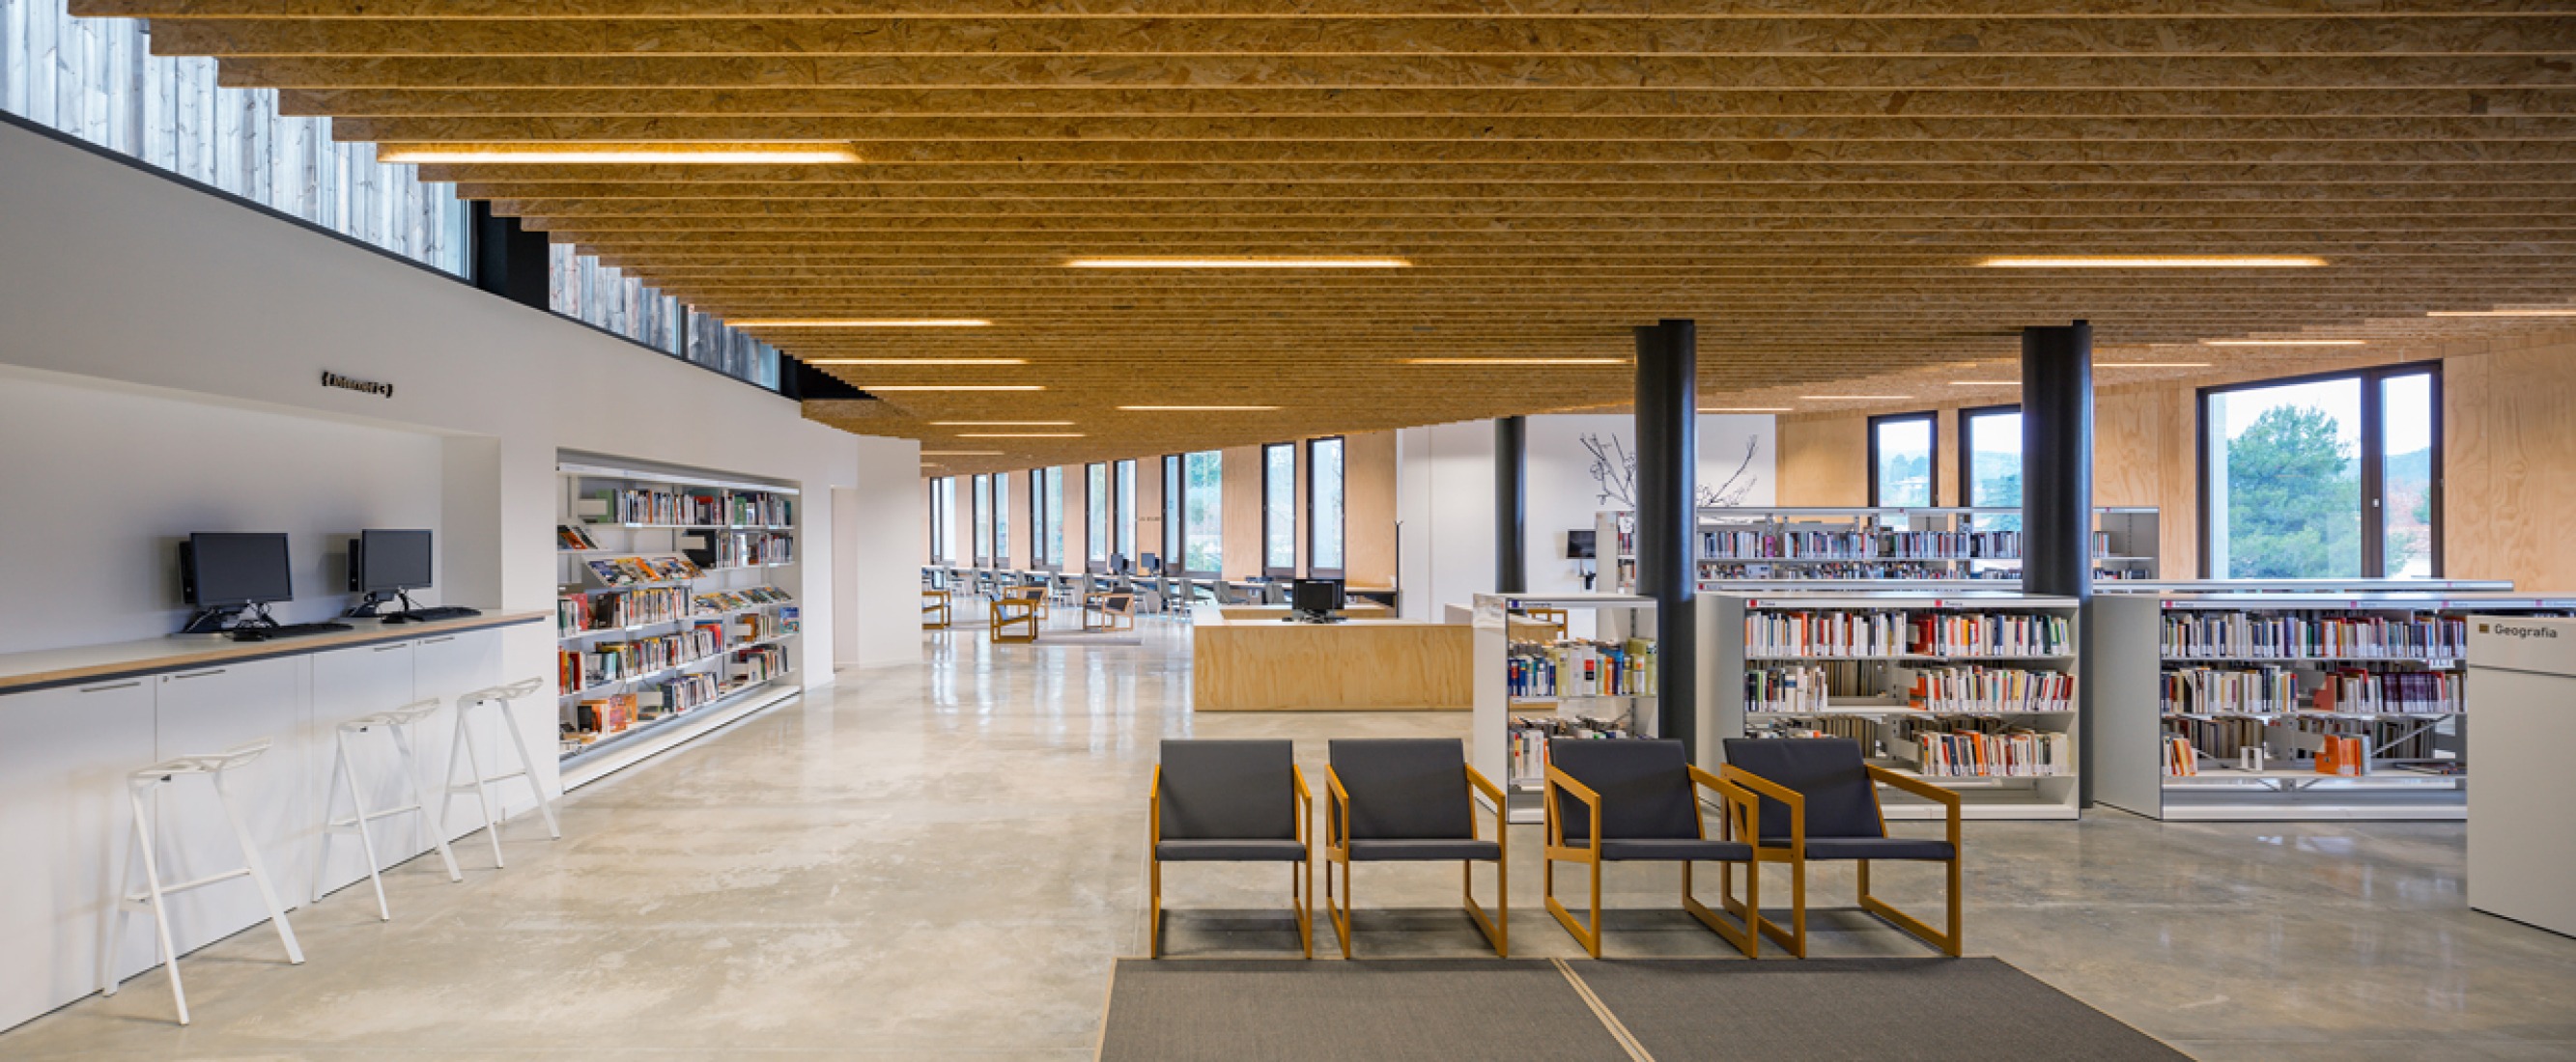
1824,461
1368,498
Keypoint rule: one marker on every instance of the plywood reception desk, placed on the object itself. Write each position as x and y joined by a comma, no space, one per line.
1246,659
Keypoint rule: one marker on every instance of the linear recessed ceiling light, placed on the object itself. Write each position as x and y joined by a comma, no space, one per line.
1748,409
952,387
2151,365
1019,435
916,361
1197,409
2285,342
1985,383
1242,262
1853,398
1001,423
703,154
2500,313
1516,361
863,322
961,453
2153,261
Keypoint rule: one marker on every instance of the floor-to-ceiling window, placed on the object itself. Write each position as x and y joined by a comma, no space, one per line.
1046,516
1203,513
1171,557
1125,472
1097,517
1279,510
943,496
1990,464
1001,519
982,519
1900,459
1324,523
2318,477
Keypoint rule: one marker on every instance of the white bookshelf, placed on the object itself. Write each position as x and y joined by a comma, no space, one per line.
1733,546
2415,767
1868,685
1501,620
724,633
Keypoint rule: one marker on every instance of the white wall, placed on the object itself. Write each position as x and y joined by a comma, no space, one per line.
125,278
1445,496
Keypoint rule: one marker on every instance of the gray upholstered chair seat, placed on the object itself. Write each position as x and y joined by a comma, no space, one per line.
1222,851
1668,849
1871,847
1387,851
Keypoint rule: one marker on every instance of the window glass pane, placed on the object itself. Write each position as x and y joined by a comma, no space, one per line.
2406,473
1172,509
1324,481
1203,493
983,519
1055,515
1001,519
1097,499
2285,481
1904,461
1127,509
1279,506
97,79
1994,466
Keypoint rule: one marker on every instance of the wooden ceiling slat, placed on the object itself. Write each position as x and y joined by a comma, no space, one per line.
1813,180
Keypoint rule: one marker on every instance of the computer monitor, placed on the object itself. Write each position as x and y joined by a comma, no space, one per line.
1152,563
1316,597
1578,544
388,561
224,570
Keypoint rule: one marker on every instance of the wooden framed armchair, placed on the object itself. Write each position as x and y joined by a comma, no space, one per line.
1230,802
1612,800
1112,610
937,609
1412,800
1015,618
1819,800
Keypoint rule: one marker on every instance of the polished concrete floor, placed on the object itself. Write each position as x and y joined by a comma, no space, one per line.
942,862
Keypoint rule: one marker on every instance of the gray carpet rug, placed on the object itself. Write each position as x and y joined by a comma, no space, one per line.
1917,1010
1818,1010
1416,1010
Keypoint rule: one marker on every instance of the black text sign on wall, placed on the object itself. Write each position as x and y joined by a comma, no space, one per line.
364,387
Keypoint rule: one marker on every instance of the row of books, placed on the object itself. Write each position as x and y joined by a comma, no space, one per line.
604,663
1899,633
2011,754
1578,668
1956,690
1871,544
1529,738
715,601
629,571
737,548
758,664
1720,571
2227,739
2275,691
1786,689
590,719
578,613
641,505
2313,636
1858,728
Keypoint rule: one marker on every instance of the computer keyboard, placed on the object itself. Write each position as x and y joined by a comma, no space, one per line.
286,630
430,615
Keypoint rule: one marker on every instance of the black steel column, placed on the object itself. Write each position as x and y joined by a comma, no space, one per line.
509,261
1667,477
1511,507
2057,493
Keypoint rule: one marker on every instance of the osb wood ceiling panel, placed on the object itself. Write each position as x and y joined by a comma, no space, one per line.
1813,181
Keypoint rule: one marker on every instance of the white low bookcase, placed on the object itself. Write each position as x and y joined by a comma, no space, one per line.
1500,621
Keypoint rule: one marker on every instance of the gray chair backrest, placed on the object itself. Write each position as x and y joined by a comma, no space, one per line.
1405,788
1644,784
1229,790
1842,801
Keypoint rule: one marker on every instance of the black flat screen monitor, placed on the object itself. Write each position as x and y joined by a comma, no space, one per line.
1578,544
389,560
1153,563
1316,596
226,569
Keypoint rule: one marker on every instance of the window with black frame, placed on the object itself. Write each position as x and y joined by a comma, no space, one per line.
1990,464
1279,510
2336,475
1900,460
1324,508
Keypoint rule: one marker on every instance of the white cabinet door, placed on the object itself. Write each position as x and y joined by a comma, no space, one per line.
454,664
64,755
209,710
348,683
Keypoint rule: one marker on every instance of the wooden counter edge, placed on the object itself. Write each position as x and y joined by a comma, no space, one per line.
184,656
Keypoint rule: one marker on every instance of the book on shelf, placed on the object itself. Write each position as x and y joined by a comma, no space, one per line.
2313,636
1529,738
2181,760
574,536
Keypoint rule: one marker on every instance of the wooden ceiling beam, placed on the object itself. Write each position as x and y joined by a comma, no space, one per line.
1863,11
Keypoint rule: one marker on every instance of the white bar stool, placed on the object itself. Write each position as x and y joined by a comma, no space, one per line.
344,774
154,895
469,752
